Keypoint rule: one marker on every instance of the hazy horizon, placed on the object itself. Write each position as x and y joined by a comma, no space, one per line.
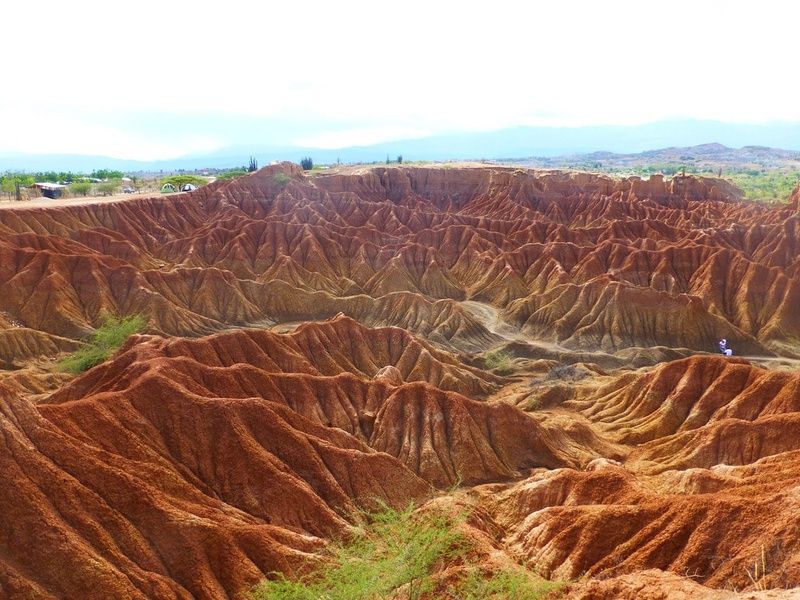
511,143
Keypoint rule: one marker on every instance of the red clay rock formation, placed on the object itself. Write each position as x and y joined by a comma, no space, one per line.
587,260
442,436
700,412
794,198
707,488
193,467
658,585
149,498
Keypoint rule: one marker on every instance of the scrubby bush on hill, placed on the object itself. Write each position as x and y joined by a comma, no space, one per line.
281,179
772,186
104,342
81,188
499,361
396,554
516,583
395,549
233,173
107,188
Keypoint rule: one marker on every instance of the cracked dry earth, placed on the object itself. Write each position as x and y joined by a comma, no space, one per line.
320,345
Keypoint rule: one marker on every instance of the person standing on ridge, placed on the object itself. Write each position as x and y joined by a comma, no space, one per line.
723,345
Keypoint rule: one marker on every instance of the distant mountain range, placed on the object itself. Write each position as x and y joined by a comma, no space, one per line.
517,142
704,155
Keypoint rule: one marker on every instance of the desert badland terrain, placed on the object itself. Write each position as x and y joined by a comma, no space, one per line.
537,347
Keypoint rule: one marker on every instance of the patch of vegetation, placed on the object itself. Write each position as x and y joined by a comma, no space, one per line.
566,372
107,188
498,361
518,583
569,373
767,185
66,177
81,188
396,554
104,342
307,163
11,183
759,572
282,179
105,174
232,173
77,182
533,404
394,549
770,186
668,168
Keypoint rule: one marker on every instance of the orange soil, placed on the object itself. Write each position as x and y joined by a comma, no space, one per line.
193,467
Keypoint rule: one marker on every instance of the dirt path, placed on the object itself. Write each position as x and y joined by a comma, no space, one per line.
489,317
773,362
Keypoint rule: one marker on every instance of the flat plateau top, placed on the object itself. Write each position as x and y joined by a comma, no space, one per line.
58,202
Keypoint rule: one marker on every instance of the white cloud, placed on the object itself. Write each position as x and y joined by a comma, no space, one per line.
42,132
373,70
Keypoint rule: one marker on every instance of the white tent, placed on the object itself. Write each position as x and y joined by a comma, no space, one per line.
188,187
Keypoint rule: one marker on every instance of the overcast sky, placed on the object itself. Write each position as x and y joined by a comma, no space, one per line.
158,79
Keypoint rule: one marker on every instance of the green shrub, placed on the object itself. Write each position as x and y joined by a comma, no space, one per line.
281,179
498,361
517,583
392,550
104,174
395,554
232,174
104,342
81,188
770,186
107,188
533,404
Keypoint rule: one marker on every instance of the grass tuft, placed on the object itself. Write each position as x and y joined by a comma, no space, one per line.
498,361
566,373
282,179
533,404
104,342
516,583
398,554
395,549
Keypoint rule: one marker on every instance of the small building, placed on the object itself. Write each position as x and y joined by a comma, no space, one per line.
50,190
168,188
188,187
